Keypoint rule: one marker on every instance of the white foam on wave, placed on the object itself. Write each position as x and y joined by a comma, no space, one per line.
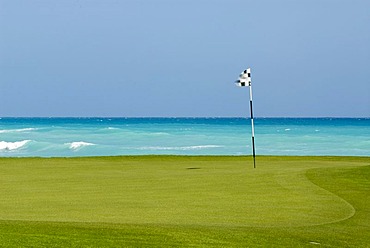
9,146
178,148
79,144
18,130
157,133
112,128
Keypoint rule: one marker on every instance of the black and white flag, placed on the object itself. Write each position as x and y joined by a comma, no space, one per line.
244,78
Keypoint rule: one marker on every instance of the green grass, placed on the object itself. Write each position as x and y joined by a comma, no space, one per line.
170,201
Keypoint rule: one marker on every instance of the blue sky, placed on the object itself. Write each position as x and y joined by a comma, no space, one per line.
309,58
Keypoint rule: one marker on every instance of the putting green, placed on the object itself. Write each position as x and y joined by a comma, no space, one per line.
189,192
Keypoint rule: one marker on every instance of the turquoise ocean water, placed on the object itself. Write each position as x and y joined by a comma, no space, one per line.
69,137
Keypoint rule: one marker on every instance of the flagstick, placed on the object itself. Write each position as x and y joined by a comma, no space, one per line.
245,80
252,123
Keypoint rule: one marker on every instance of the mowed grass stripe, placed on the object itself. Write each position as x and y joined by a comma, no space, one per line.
164,201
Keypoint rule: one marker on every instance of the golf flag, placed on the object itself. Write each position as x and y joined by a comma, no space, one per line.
244,78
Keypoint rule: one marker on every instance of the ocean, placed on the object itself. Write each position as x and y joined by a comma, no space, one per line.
74,137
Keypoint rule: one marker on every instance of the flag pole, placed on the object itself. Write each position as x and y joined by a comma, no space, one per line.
245,80
252,123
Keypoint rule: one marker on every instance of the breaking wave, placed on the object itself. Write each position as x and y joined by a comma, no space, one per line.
17,130
10,146
112,128
79,144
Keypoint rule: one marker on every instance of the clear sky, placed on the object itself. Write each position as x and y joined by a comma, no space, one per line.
126,58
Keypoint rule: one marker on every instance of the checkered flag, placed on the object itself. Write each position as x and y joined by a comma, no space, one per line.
244,78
